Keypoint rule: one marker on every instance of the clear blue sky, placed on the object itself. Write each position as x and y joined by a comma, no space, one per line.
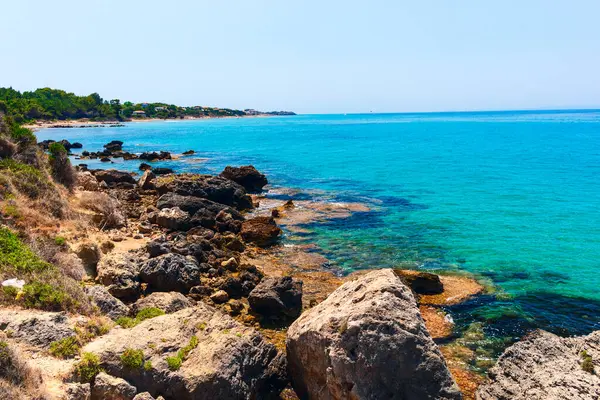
310,56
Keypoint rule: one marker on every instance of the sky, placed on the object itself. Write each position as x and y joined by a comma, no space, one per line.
308,56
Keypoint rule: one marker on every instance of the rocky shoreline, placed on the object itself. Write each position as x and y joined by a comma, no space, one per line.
198,300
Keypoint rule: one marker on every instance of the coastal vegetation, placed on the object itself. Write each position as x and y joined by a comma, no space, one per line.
48,104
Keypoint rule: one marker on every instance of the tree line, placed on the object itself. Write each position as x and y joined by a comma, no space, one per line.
55,104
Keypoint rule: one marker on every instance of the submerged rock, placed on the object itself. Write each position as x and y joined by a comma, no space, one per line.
421,282
367,340
247,176
545,366
263,231
226,360
277,297
115,145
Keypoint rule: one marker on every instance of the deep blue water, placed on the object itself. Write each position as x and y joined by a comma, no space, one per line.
511,197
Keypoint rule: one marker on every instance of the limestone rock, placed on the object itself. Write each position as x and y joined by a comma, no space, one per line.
367,340
36,327
90,256
87,181
112,176
263,231
230,361
78,391
146,182
247,176
277,297
108,387
174,219
214,188
119,272
205,212
169,302
171,272
545,366
107,303
421,282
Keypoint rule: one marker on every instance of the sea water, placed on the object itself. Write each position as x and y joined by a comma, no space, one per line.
511,197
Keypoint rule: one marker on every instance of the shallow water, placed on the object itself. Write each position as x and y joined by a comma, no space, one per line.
509,196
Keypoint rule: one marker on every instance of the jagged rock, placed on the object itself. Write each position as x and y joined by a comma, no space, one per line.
230,264
188,153
78,391
214,188
76,145
421,282
231,361
115,145
90,254
544,366
277,297
105,159
108,387
106,302
145,167
146,182
112,176
169,302
146,396
171,272
174,219
367,340
247,176
36,327
87,181
263,231
119,272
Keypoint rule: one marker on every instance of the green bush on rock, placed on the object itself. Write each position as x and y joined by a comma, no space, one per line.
87,369
132,359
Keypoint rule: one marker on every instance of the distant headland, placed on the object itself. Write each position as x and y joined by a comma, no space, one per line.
48,105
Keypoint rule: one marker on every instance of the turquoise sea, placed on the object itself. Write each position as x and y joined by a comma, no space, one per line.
512,197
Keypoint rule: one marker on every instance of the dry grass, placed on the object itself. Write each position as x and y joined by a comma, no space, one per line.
108,209
17,379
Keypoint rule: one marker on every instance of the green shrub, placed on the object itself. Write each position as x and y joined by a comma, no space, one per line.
142,315
27,179
65,348
174,363
22,135
132,359
60,241
148,313
56,149
15,256
87,369
45,296
126,322
587,363
147,366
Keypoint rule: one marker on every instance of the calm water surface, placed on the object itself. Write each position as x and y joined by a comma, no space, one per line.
509,196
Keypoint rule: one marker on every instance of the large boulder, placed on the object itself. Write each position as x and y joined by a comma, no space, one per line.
115,145
36,327
205,213
545,366
277,298
262,231
229,360
214,188
108,387
169,302
171,272
367,340
247,176
106,302
112,176
119,273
